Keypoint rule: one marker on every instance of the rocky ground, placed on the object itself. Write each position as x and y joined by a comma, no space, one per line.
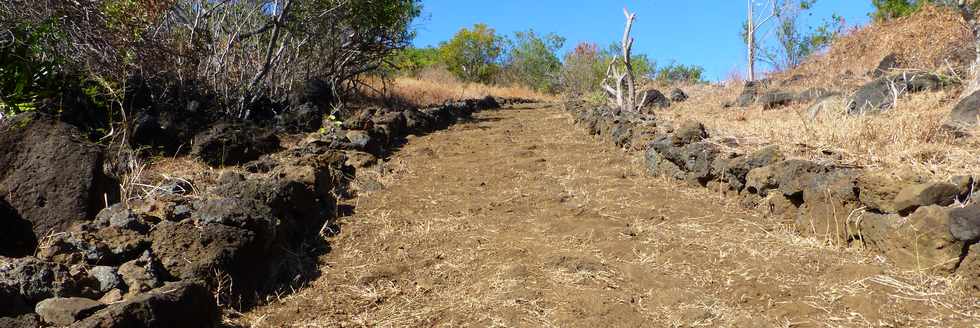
89,239
521,218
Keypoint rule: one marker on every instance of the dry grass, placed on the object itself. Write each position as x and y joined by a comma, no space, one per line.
934,39
908,136
437,86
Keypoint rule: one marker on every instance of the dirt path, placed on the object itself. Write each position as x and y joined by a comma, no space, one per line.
519,219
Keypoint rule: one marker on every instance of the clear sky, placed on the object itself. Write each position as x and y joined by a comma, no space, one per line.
702,32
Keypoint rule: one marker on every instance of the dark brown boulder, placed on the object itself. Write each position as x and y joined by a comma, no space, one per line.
233,144
880,189
776,99
793,176
303,118
17,236
50,174
925,194
885,66
29,320
750,93
26,281
689,132
180,304
678,95
190,252
966,115
318,93
11,302
61,311
965,223
827,210
922,241
654,99
879,95
734,171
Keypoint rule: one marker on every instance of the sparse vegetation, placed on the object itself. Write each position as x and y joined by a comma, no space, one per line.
299,161
788,42
892,9
908,136
239,54
675,73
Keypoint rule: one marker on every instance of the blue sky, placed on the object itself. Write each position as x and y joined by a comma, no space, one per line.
701,32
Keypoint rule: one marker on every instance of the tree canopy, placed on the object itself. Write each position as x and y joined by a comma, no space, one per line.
473,54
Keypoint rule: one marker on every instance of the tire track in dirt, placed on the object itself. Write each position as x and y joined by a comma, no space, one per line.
519,219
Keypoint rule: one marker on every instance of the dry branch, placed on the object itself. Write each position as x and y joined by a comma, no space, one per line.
623,94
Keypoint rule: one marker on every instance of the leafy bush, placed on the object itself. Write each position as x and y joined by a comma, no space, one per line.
473,54
29,71
412,61
583,70
891,9
791,43
677,73
532,62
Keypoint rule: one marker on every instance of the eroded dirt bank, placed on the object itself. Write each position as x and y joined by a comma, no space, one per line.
520,219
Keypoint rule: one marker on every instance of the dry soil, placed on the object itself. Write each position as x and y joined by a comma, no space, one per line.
520,219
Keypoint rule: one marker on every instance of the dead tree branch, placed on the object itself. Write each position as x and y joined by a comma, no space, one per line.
622,94
966,8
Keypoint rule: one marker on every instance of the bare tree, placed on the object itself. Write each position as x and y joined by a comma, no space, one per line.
751,27
968,11
623,95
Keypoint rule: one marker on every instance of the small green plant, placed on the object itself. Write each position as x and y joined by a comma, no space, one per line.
332,123
28,69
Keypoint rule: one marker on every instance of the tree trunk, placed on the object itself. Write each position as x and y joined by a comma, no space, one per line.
623,95
966,10
750,43
628,63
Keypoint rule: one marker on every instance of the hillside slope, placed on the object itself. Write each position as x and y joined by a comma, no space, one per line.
908,134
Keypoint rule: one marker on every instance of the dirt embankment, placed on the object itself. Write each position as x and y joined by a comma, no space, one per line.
521,219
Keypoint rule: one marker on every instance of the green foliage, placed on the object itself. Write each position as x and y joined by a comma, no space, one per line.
124,17
411,61
792,43
585,67
675,73
395,15
891,9
29,71
582,70
532,60
797,45
643,66
473,54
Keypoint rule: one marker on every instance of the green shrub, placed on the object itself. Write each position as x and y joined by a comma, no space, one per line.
674,73
891,9
473,54
582,70
29,70
410,61
532,62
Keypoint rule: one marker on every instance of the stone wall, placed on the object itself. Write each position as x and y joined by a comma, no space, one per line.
917,223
